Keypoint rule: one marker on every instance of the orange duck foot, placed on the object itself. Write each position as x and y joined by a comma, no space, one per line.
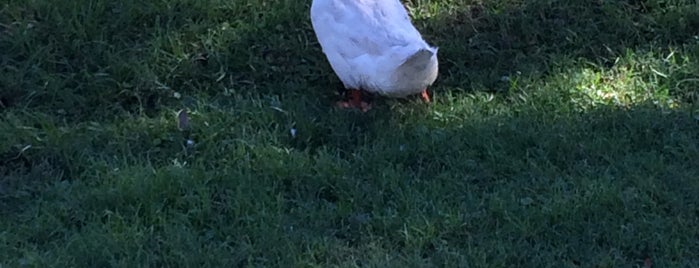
355,101
425,96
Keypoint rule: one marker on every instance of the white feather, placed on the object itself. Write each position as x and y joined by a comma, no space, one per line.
373,45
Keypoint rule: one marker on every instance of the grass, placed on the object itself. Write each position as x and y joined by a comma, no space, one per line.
564,134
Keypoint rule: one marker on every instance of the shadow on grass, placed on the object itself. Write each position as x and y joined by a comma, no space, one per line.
474,169
91,62
133,57
578,174
528,183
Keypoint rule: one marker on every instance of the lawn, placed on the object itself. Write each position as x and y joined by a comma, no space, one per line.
564,133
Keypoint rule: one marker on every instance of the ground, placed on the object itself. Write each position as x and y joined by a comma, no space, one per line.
561,134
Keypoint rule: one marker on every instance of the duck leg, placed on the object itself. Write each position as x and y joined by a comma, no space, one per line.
425,96
355,101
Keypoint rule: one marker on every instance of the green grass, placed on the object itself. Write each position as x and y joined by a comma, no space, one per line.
564,134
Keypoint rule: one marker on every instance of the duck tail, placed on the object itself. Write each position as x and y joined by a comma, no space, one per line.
420,59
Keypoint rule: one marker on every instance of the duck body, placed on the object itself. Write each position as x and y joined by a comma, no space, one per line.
372,45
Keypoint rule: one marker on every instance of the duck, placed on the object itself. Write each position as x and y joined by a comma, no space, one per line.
374,48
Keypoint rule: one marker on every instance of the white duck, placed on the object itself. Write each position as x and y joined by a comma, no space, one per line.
373,46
